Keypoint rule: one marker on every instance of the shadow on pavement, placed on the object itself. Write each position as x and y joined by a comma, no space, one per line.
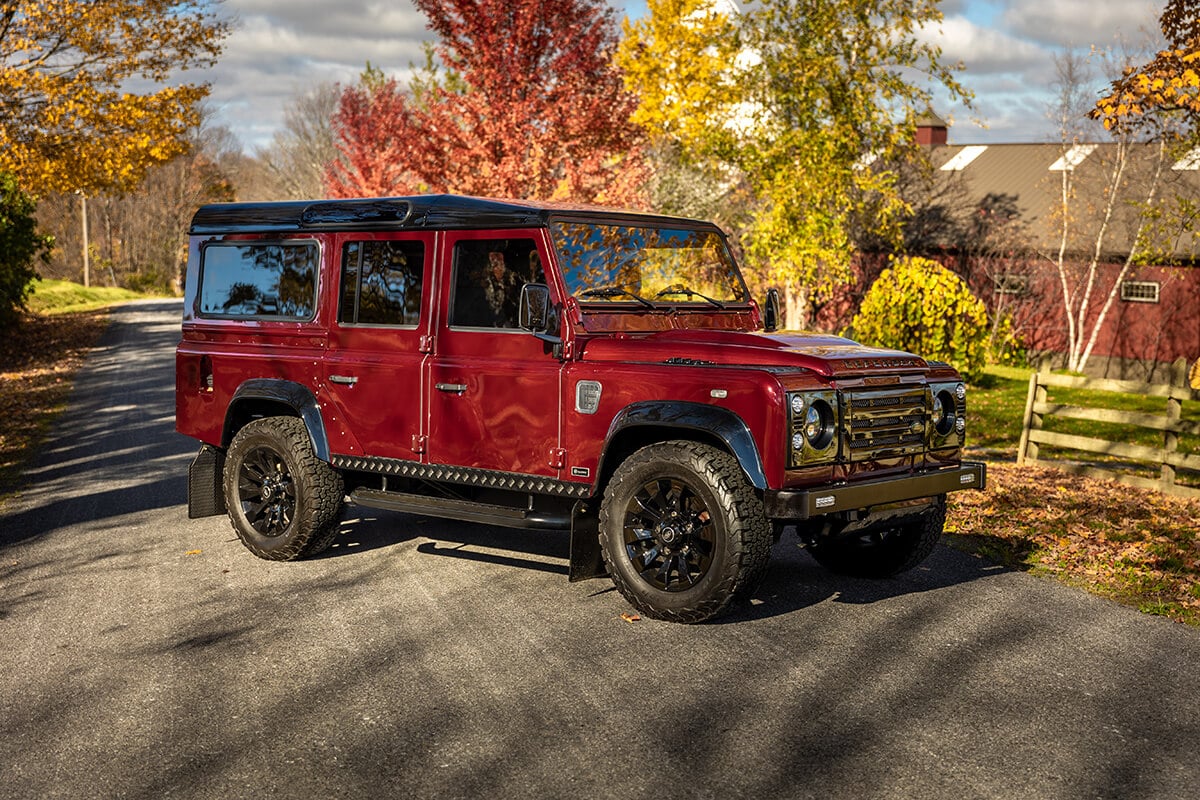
114,451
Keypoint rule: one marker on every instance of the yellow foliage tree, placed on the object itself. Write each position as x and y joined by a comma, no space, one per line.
679,59
89,92
804,100
919,306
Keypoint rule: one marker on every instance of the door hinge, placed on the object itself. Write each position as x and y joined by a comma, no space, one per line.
426,344
419,443
558,457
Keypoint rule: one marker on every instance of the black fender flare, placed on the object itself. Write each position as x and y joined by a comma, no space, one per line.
710,420
295,396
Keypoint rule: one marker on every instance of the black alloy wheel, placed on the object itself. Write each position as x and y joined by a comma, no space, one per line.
266,491
669,535
682,531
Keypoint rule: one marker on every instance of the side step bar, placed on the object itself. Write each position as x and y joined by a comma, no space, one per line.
465,510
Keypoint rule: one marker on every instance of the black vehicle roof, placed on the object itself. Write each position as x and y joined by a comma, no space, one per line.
436,211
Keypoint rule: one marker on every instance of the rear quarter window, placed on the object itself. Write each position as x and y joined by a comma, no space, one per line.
261,280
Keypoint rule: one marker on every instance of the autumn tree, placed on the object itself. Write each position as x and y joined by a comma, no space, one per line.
1167,85
809,99
89,88
138,240
1119,198
519,99
681,75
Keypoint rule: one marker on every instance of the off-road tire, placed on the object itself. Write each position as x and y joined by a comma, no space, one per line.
698,498
283,501
886,552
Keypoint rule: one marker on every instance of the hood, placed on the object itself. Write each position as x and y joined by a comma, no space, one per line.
826,355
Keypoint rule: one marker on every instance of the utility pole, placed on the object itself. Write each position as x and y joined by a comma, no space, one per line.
86,264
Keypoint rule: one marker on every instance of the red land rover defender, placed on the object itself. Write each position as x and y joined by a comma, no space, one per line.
548,367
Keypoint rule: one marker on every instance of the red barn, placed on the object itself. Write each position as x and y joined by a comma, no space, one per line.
1083,205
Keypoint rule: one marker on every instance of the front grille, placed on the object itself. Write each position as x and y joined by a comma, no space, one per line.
885,423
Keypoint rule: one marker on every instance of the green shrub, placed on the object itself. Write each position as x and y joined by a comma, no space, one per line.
919,306
20,245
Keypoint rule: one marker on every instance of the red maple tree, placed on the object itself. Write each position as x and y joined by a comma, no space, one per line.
524,102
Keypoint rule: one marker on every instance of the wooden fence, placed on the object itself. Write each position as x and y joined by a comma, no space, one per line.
1166,458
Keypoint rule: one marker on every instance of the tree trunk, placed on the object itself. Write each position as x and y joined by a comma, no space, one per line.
796,308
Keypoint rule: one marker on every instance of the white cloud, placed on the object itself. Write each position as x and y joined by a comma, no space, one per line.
983,50
281,48
1008,48
1081,23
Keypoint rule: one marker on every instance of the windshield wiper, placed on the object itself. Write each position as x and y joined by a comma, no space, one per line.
616,291
679,288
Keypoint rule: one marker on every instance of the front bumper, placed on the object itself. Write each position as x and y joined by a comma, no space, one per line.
801,504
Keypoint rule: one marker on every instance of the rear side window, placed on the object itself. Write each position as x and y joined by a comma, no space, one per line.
264,280
381,282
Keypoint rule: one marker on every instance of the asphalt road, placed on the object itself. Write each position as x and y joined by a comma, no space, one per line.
146,655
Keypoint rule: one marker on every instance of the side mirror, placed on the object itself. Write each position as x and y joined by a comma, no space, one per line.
537,315
771,311
535,311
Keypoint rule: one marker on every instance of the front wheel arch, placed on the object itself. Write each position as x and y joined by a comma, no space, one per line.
642,424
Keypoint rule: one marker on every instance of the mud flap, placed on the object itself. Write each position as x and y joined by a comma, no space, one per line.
586,559
205,495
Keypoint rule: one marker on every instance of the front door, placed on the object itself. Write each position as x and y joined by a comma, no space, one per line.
493,388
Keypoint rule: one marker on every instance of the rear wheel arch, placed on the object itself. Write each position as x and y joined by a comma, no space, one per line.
268,397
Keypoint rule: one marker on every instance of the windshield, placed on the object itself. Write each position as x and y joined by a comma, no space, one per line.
646,266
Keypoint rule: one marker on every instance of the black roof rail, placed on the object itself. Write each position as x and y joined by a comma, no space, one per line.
441,211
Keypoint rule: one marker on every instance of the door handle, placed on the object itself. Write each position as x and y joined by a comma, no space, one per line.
457,388
348,380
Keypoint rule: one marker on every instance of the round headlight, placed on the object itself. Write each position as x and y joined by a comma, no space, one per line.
812,423
944,413
818,425
797,404
960,424
797,441
960,392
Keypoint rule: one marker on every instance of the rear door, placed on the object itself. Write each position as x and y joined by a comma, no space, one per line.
377,343
493,388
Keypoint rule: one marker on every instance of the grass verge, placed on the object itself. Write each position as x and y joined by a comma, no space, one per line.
65,297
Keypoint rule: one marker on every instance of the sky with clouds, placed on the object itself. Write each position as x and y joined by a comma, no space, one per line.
280,47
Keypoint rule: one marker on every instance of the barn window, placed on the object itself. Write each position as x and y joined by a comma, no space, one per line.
1012,284
1139,291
